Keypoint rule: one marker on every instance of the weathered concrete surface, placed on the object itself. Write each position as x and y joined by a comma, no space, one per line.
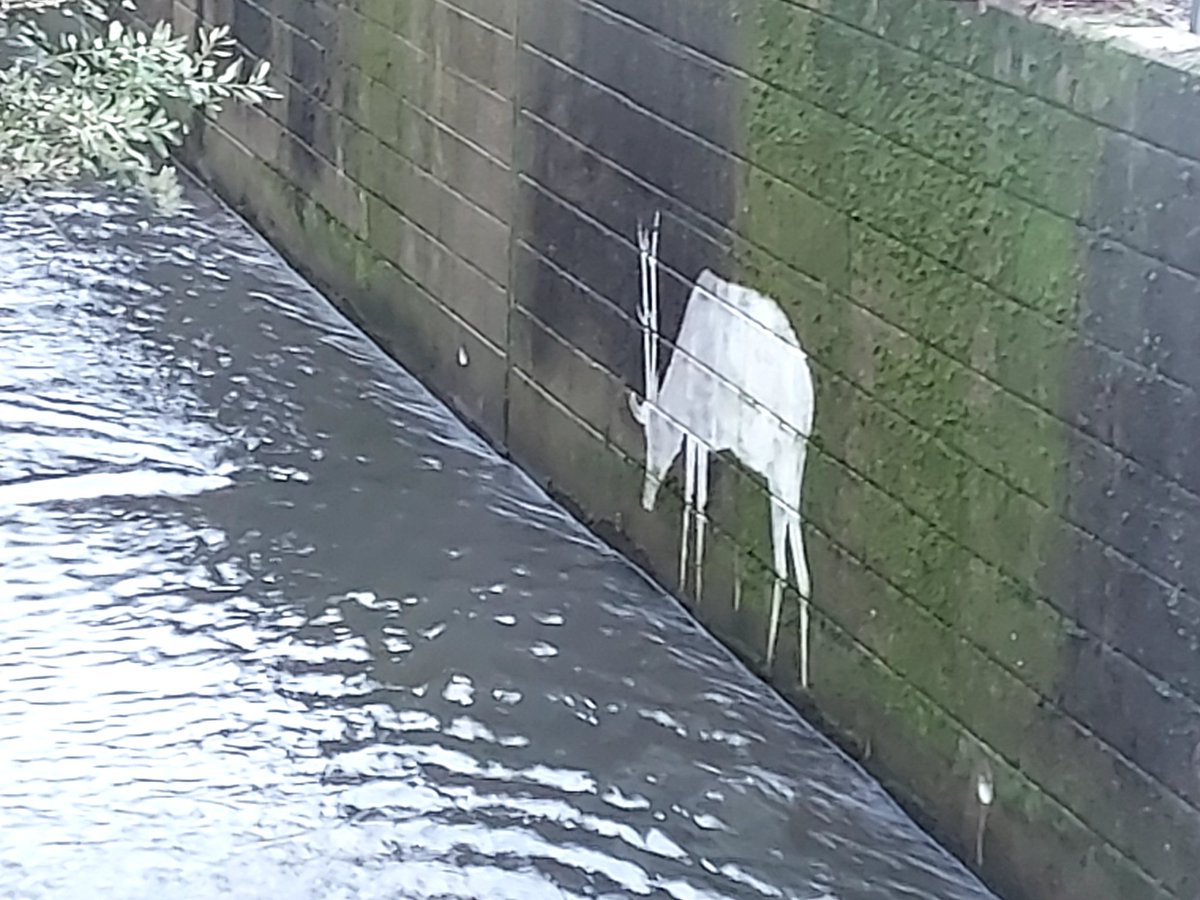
983,232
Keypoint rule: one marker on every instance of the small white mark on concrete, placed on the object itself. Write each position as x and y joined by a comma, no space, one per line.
985,793
985,790
463,359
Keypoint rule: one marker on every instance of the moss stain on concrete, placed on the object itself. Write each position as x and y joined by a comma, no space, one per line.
919,224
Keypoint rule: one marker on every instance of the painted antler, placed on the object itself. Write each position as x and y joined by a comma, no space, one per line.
648,314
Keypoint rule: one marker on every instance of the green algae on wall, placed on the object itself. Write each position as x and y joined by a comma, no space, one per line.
887,190
920,225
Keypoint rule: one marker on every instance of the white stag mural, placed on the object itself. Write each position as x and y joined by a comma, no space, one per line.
738,380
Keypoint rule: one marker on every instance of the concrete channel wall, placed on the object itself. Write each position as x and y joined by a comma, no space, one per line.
905,301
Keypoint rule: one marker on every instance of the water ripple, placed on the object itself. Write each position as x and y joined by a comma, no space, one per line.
277,625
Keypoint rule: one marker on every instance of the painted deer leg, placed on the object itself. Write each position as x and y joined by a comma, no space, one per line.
701,515
804,641
800,560
779,544
796,542
737,578
689,499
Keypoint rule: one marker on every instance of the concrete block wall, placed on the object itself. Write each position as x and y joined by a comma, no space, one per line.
977,238
386,173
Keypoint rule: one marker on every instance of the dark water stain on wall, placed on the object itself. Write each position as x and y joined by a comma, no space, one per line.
1131,576
596,165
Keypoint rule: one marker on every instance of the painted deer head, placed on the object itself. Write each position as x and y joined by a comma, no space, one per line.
663,437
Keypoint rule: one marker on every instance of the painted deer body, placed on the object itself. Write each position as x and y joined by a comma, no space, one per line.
738,380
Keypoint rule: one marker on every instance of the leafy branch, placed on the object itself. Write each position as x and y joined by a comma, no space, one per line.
97,99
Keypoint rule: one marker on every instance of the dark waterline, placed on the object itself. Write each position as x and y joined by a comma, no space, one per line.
277,625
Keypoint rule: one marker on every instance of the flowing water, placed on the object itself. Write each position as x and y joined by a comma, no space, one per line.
275,624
